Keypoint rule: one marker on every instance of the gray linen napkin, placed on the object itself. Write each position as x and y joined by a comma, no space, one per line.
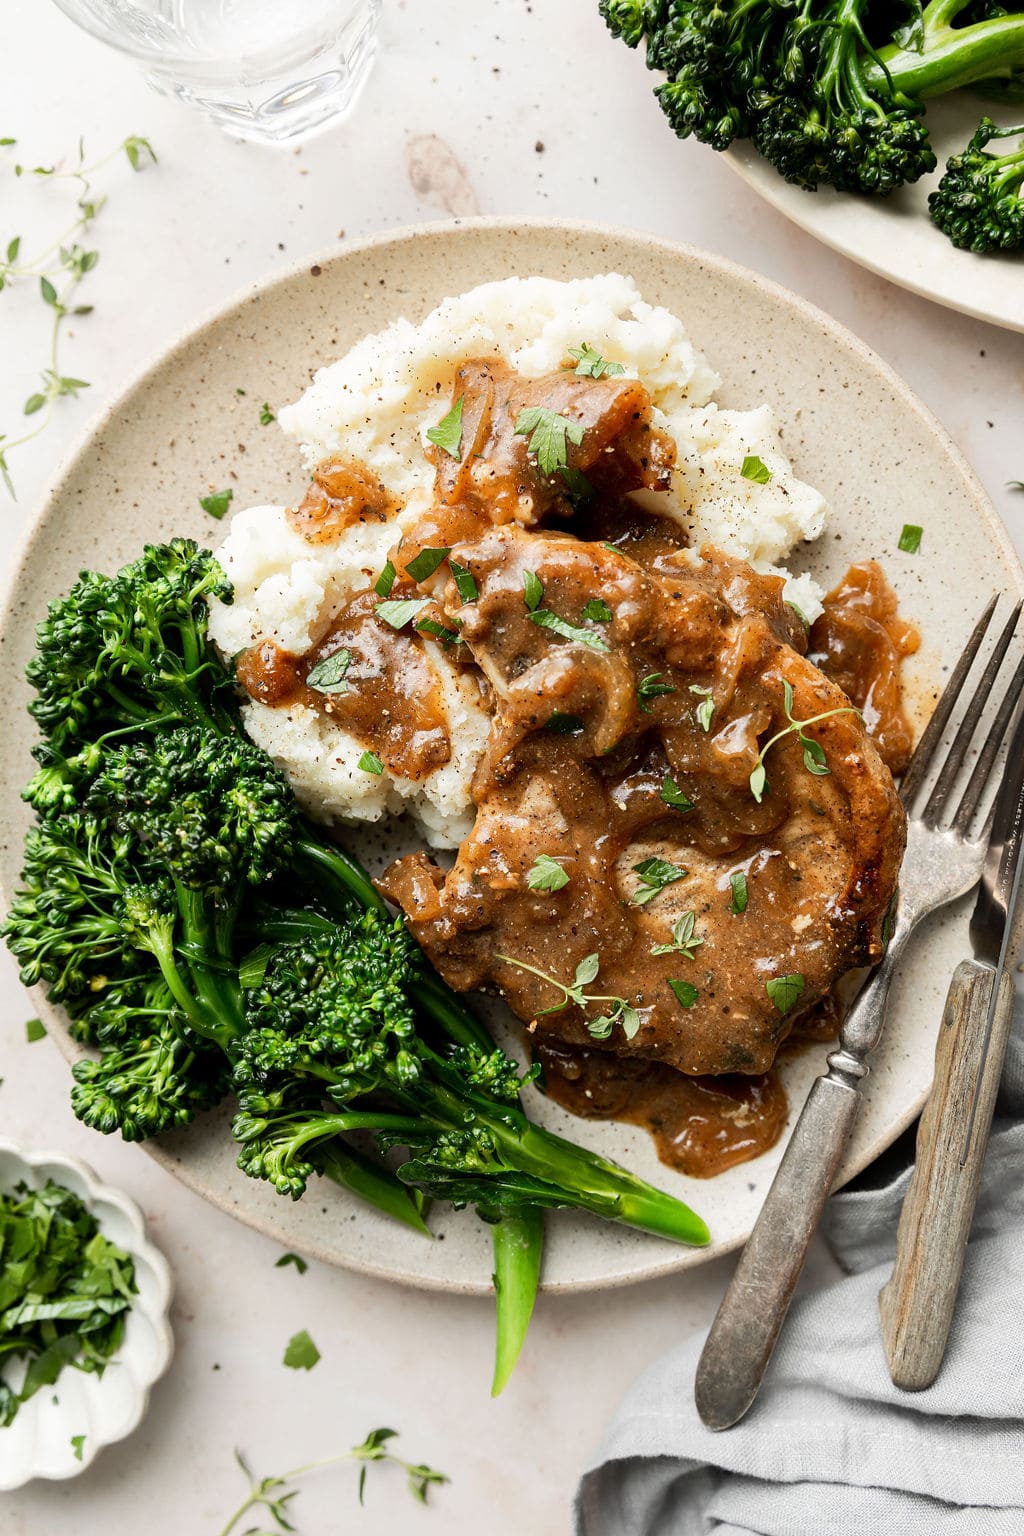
831,1446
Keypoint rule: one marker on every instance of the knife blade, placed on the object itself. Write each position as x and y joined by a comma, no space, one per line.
917,1303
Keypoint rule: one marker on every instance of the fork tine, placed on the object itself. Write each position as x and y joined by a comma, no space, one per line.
936,802
932,733
989,752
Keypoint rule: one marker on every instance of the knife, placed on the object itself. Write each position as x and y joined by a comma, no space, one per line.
917,1303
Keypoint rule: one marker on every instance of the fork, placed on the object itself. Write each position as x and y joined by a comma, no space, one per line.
943,861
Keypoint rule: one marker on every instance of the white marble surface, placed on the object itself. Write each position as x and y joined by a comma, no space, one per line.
462,98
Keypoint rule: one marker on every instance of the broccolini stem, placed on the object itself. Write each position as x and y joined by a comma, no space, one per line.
314,859
373,1183
518,1240
952,56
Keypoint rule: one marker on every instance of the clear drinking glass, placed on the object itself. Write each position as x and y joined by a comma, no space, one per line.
267,70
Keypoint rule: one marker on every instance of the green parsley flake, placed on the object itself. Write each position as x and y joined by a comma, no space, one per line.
426,563
568,631
292,1258
785,990
371,763
591,365
597,610
738,899
217,503
560,724
685,991
649,688
400,610
673,796
266,415
578,487
654,874
328,676
547,874
464,581
548,432
447,435
439,631
78,1445
706,707
755,469
35,1029
533,590
385,581
301,1354
910,539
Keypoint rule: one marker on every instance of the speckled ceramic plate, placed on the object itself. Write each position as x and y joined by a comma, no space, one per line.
894,236
851,427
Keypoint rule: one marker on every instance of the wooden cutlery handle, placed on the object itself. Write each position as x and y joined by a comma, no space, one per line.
916,1304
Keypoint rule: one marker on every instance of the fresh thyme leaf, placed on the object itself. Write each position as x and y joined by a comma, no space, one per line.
1015,485
465,583
292,1258
385,581
447,435
814,753
35,1029
755,469
600,1029
370,763
48,292
706,707
650,688
217,503
564,725
591,365
685,991
137,149
597,610
34,403
546,874
400,610
427,562
587,970
301,1353
78,1445
684,940
738,899
673,796
758,782
785,990
910,539
328,676
654,874
266,415
548,433
568,631
533,590
620,1011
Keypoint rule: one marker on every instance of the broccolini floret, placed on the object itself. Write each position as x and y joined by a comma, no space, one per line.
979,203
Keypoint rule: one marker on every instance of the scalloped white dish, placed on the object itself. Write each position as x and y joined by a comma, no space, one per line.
102,1408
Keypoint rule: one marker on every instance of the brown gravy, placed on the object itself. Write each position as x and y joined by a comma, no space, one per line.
342,492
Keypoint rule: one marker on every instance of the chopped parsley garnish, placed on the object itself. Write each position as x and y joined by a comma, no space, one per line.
619,1011
426,563
301,1354
533,590
597,610
371,763
784,991
547,874
266,415
217,503
548,432
738,899
591,365
755,469
35,1029
385,581
706,707
673,796
439,631
650,688
569,631
464,581
400,610
910,539
447,435
578,487
654,874
814,753
78,1445
292,1258
685,991
684,941
328,676
564,725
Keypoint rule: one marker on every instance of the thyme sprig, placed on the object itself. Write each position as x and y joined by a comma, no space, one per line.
620,1012
814,753
65,261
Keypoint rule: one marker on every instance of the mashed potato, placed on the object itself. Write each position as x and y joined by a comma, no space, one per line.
376,404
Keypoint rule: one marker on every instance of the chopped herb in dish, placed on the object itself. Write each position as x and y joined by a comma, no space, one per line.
301,1353
673,796
548,433
755,469
591,365
650,687
371,763
785,991
654,874
910,538
706,707
217,503
399,611
546,874
426,563
447,435
328,676
684,941
738,898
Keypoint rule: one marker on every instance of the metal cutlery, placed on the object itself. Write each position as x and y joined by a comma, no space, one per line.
943,861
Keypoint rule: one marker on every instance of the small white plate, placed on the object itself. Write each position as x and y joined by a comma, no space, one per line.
101,1408
894,236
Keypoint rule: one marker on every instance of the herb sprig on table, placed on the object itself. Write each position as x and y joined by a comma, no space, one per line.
56,272
65,1291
